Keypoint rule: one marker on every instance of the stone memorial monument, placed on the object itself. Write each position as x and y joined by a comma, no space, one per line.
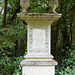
38,60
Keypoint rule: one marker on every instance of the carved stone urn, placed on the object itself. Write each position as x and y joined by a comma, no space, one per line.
52,4
25,4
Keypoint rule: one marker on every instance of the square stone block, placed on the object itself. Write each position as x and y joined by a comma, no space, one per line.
38,70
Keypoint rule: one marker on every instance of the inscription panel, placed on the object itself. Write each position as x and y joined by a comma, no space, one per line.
38,38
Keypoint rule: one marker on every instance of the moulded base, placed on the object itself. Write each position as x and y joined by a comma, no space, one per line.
38,67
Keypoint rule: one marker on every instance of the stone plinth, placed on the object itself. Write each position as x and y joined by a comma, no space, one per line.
38,60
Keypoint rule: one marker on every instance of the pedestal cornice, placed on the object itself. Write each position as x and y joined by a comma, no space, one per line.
42,18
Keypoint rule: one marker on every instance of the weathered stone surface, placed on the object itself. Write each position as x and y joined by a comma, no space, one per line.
39,31
38,38
38,60
42,18
38,70
39,43
38,56
25,4
52,4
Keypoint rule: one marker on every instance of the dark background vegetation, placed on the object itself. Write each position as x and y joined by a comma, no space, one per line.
13,36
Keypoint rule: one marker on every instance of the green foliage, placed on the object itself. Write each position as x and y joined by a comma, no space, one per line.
10,65
67,65
12,41
39,6
13,44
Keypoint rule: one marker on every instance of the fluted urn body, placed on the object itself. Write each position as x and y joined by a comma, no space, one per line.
52,4
25,4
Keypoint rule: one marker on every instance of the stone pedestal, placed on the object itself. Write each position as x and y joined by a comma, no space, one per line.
38,60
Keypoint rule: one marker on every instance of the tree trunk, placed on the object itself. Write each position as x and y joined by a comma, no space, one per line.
5,12
73,31
57,32
15,14
16,48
